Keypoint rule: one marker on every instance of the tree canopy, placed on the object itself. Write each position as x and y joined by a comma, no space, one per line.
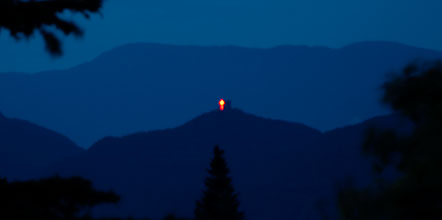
417,191
51,198
24,18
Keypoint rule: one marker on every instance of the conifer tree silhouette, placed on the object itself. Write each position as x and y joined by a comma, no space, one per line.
219,201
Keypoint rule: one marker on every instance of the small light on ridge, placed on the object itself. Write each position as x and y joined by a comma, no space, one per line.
221,104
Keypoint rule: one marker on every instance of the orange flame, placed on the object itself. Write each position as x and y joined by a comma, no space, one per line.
221,104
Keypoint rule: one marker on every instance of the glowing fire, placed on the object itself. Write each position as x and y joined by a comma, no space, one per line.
221,104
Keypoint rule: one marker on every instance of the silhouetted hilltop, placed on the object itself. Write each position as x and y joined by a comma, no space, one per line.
26,149
231,118
283,166
162,171
286,167
222,127
151,86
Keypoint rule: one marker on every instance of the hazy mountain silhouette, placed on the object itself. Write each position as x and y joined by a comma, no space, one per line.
281,169
148,86
27,149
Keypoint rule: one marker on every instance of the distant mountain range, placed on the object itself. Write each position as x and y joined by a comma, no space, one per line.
139,87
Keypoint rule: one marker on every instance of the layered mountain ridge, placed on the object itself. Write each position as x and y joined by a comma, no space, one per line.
143,86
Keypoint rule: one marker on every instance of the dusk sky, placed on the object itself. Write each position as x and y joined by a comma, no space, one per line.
249,23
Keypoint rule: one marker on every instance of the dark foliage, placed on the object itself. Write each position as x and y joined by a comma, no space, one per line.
173,217
219,202
417,192
51,198
23,18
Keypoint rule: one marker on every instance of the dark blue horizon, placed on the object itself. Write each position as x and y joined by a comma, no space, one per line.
256,24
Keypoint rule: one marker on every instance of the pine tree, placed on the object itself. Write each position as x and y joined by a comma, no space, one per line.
219,201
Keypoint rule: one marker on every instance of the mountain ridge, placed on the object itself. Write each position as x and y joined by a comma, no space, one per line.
138,87
301,165
129,164
359,44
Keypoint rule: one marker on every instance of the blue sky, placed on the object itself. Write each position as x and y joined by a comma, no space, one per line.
250,23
